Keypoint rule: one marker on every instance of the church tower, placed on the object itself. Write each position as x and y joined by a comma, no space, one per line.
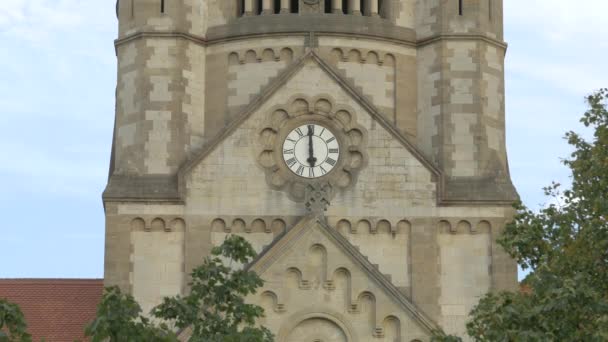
359,145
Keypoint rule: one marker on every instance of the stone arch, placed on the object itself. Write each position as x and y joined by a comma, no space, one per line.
278,227
218,225
403,227
388,60
383,227
268,137
258,226
372,57
363,226
339,322
356,159
293,278
268,55
336,55
342,281
483,227
299,106
317,258
251,56
354,56
158,225
356,136
463,226
445,227
177,225
344,227
287,55
366,303
392,329
345,117
323,106
238,226
138,225
269,300
233,58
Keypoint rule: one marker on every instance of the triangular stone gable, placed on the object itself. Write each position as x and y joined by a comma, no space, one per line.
278,83
313,268
227,173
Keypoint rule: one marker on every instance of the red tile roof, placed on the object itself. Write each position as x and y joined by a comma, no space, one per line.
57,310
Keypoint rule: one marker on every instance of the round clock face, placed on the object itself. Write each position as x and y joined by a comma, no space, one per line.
311,151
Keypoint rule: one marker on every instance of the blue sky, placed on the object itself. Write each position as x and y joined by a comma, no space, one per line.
57,110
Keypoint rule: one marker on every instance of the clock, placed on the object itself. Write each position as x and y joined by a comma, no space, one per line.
311,151
311,142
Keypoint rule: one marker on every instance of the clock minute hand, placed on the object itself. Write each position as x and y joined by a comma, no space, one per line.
311,153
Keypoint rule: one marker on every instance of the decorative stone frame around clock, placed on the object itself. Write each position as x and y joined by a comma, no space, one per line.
322,110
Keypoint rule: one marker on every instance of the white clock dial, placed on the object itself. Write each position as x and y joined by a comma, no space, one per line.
311,151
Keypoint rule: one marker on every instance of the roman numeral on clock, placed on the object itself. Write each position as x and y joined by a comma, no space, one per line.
330,140
300,170
323,171
311,128
333,150
288,151
291,162
299,131
331,162
311,172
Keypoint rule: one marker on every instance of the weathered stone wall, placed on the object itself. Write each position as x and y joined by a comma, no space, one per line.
421,89
318,277
439,17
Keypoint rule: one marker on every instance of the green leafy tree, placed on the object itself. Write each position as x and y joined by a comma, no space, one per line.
13,327
566,247
214,310
119,319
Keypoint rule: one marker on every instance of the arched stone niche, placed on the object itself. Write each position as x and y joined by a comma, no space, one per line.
305,327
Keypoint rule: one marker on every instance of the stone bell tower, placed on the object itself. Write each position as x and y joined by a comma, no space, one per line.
359,145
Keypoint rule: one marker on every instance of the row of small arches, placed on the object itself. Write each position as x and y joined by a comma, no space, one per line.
260,55
277,226
347,7
258,225
300,105
369,226
384,226
362,56
364,304
464,227
158,224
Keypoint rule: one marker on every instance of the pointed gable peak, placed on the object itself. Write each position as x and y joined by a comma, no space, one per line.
273,87
314,240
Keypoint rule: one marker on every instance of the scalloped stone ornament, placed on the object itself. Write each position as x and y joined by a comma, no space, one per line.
322,111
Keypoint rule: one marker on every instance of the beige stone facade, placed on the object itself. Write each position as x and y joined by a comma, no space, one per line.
414,91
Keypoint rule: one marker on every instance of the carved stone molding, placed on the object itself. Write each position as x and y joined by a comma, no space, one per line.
323,110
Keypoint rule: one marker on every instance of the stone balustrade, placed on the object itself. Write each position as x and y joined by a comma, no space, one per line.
278,7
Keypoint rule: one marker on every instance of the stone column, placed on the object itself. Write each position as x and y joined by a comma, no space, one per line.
249,7
267,7
285,6
355,7
374,8
337,6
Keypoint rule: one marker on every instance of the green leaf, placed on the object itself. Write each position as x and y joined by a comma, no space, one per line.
566,247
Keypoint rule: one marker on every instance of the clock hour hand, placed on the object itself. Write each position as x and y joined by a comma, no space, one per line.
311,152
